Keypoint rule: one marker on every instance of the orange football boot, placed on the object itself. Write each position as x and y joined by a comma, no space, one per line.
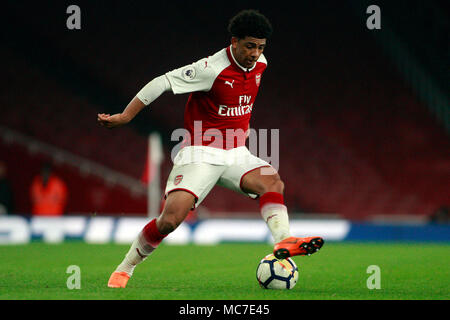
118,280
294,246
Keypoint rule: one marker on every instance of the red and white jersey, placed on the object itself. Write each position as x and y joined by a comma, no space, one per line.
219,107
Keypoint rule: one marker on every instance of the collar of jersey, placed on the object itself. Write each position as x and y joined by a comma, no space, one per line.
237,63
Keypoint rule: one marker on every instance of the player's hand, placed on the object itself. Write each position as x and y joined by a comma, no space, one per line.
111,121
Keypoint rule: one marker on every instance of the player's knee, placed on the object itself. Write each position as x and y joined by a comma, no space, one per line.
166,225
274,184
175,210
277,185
171,218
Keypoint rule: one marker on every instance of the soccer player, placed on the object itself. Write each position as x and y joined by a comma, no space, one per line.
222,88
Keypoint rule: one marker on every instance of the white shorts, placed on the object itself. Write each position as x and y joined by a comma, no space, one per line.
197,169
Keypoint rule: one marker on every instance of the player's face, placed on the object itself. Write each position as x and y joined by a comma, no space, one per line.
247,50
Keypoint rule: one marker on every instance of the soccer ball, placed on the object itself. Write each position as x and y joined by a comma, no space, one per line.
277,274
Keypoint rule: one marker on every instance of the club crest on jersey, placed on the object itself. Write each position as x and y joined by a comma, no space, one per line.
178,179
188,73
258,79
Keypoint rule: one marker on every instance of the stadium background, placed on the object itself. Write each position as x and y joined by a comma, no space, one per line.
363,114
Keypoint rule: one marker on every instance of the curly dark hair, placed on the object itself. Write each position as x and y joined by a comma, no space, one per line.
250,23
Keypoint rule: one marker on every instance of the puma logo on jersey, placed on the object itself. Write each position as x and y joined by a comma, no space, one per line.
230,83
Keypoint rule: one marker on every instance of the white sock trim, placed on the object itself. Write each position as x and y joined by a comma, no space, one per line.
139,251
276,217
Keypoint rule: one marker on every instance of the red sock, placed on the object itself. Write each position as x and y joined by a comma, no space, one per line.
152,234
271,197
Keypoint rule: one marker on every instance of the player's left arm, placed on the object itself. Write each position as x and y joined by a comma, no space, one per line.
120,119
143,98
194,77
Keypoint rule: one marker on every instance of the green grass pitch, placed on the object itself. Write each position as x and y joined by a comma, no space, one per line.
225,272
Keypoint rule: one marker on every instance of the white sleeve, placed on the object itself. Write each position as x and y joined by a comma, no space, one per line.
153,90
198,76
